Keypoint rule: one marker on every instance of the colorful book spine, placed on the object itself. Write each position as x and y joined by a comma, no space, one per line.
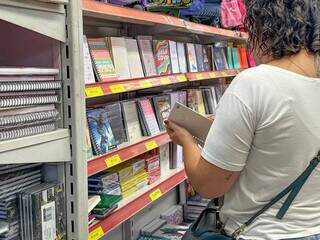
162,57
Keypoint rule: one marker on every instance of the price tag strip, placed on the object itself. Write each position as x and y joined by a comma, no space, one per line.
96,234
156,194
117,88
145,84
113,160
94,91
151,145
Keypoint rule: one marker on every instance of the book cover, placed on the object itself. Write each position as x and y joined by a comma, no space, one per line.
116,122
131,120
230,58
210,57
149,116
243,57
120,56
162,108
206,58
134,60
236,58
147,56
199,57
102,61
162,56
174,57
250,57
191,57
200,103
195,100
88,69
101,134
182,57
180,96
164,151
219,58
88,146
208,100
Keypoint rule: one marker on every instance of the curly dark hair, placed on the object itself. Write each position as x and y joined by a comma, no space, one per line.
279,28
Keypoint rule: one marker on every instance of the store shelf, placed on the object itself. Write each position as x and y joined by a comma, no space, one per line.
105,88
47,147
99,10
132,205
198,76
125,153
45,18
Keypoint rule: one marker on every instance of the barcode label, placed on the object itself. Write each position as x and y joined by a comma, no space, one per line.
48,216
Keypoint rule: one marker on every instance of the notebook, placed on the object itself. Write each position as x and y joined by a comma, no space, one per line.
206,58
219,58
119,56
243,57
10,71
199,57
162,56
174,57
29,86
197,125
101,58
6,102
191,57
87,63
236,58
146,54
182,57
162,108
229,58
135,64
148,116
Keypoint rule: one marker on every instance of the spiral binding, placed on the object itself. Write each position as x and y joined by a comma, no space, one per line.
25,101
28,131
29,118
29,86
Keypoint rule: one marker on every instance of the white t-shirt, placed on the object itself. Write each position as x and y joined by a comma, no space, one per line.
268,127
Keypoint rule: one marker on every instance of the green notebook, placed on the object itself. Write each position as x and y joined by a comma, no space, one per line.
229,58
236,58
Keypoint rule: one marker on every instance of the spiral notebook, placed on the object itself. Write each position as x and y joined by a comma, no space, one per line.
29,86
17,101
197,125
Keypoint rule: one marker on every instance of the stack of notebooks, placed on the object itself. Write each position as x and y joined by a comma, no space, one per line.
119,58
174,215
195,205
27,98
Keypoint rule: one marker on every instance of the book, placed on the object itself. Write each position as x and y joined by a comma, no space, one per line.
182,57
162,56
146,54
197,124
219,58
120,56
88,144
208,100
164,154
87,63
195,100
243,57
93,201
250,57
101,134
191,57
25,71
207,59
230,58
199,57
236,58
174,57
114,113
148,116
6,102
131,120
135,65
162,109
29,86
102,61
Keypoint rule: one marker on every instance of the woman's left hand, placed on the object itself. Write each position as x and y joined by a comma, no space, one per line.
178,134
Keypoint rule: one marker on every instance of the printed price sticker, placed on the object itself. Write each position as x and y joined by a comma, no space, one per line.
96,234
224,74
117,88
156,194
212,75
199,76
145,84
182,78
94,91
151,145
113,160
165,81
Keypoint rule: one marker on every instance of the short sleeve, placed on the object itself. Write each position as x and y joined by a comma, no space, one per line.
230,137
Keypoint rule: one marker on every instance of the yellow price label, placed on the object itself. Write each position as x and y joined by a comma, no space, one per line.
94,91
156,194
199,76
151,145
113,160
117,88
182,78
145,84
224,74
165,81
212,75
96,234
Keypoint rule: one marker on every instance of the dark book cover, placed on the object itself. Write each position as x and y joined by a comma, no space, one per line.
219,58
207,58
101,133
162,108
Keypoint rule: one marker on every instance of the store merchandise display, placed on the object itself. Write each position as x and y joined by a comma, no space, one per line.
27,102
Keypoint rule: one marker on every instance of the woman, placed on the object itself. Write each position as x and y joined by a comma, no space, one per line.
267,126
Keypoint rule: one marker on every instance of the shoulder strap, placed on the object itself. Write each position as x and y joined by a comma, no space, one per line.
294,188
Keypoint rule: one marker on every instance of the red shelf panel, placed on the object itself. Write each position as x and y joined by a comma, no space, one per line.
108,88
126,153
130,208
198,76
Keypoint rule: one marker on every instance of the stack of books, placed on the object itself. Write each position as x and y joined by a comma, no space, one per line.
27,101
195,205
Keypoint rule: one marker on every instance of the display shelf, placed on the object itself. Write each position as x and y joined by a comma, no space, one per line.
99,10
126,153
133,204
46,147
106,88
198,76
45,18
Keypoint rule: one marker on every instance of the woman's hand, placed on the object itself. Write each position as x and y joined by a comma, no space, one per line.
178,134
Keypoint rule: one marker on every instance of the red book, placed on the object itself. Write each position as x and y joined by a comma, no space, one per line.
251,60
243,57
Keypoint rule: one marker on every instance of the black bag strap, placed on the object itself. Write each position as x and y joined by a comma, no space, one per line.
294,188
